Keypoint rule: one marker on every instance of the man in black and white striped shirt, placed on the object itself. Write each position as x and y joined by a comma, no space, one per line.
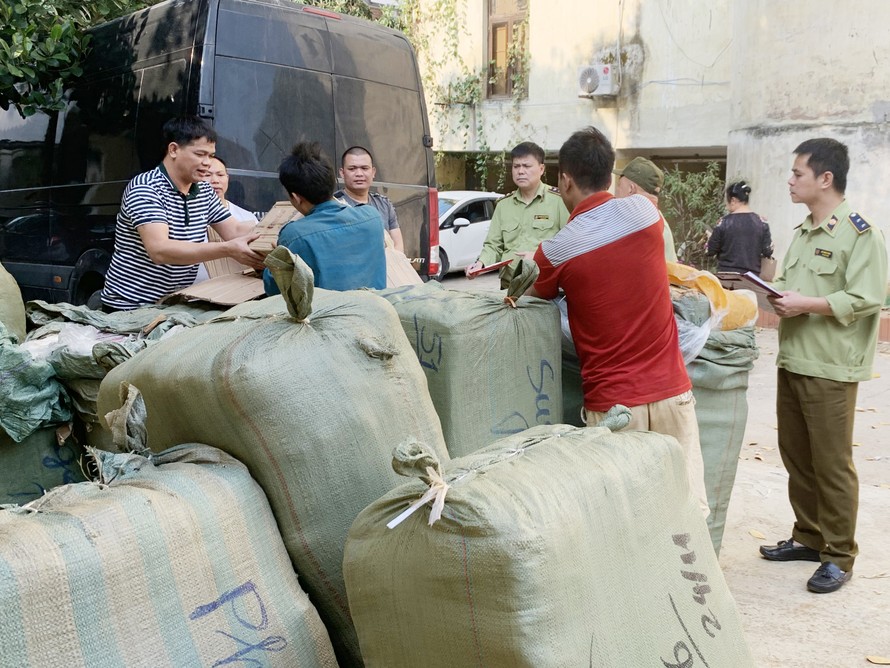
160,237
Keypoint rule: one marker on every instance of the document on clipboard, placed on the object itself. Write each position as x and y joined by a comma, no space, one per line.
489,268
749,281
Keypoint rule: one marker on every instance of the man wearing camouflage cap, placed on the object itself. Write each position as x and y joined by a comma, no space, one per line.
641,177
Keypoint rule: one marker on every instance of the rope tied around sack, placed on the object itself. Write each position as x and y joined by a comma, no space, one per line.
294,279
436,493
524,276
412,458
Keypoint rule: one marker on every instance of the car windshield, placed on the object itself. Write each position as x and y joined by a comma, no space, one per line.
445,204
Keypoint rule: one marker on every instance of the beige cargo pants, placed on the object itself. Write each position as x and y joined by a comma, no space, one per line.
675,417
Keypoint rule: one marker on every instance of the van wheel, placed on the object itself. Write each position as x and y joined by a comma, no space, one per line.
443,266
95,301
89,290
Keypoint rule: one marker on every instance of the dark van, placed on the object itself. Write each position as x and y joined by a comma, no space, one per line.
265,73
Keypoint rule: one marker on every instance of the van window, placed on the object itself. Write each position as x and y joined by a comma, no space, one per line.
272,34
22,156
262,110
372,55
161,97
387,122
97,139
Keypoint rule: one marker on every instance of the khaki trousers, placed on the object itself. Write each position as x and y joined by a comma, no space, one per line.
815,418
675,417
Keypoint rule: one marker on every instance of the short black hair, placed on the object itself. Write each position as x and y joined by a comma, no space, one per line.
184,130
588,157
355,150
216,157
308,173
740,190
527,148
827,155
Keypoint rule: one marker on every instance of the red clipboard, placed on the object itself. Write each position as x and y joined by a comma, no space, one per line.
491,267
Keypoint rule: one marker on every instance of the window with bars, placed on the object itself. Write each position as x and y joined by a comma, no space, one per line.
507,43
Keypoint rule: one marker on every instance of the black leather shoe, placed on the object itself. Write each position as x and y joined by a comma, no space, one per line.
786,550
828,578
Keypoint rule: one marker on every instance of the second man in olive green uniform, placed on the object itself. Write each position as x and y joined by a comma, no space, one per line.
833,284
524,218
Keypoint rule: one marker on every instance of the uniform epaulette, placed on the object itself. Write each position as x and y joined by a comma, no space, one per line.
859,223
503,197
554,190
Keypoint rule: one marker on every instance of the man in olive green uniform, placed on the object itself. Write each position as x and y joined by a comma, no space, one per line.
524,218
833,284
641,176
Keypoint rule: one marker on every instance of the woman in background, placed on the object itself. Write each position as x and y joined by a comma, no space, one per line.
741,238
218,177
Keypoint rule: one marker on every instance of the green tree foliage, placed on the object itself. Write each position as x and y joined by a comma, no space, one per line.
42,47
692,203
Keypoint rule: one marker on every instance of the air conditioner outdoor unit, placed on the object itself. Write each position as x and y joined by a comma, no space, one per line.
597,80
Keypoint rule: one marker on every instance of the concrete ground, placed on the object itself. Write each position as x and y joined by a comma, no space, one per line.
787,626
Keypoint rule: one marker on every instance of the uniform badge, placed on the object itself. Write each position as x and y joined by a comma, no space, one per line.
832,223
542,216
821,252
859,223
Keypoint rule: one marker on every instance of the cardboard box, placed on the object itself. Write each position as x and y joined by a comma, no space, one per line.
268,228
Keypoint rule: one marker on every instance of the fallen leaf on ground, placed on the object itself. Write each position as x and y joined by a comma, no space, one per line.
878,660
753,443
870,409
860,409
756,534
856,445
758,457
884,486
875,577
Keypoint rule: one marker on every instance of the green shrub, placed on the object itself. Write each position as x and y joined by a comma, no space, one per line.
692,203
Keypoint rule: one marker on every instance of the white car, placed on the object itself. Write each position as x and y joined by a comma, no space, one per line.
464,218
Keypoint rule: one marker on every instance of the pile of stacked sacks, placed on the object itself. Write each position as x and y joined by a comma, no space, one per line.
716,331
548,546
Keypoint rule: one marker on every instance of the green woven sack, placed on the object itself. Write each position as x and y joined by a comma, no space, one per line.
312,403
43,460
169,562
720,383
559,547
12,309
493,367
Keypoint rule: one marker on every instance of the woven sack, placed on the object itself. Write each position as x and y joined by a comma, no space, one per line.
12,309
47,458
493,368
719,378
313,404
558,547
174,561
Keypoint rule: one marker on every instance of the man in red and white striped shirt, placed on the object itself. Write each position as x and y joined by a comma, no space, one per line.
609,262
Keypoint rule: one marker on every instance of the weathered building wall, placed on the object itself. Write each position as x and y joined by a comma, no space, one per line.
815,70
674,93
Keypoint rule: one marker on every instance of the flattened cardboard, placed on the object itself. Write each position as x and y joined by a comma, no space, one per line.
399,271
223,290
279,216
